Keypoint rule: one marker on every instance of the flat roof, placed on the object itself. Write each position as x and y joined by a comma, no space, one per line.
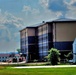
53,21
63,20
32,26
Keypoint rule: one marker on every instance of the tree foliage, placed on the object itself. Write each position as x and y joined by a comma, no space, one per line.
69,56
53,56
18,50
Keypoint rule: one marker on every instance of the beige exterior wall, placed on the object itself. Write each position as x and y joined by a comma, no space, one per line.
31,31
39,30
65,31
23,33
43,29
27,32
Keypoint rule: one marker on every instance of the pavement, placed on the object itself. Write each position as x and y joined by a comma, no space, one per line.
57,66
6,63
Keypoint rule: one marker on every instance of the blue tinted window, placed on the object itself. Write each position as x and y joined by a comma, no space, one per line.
40,45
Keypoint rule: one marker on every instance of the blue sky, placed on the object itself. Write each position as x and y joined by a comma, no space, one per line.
17,14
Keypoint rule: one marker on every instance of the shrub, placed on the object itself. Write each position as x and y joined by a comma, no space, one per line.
69,56
53,56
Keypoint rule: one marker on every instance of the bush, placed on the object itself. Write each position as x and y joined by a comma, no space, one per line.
53,56
69,56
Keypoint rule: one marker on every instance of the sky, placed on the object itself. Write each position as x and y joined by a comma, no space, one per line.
17,14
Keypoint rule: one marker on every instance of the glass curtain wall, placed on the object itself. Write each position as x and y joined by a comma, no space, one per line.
43,41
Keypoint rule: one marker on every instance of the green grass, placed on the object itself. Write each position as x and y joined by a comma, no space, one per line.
42,71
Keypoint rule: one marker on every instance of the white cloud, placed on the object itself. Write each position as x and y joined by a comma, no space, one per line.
44,3
46,15
71,12
35,11
59,14
69,8
50,15
37,15
11,19
70,2
26,8
9,31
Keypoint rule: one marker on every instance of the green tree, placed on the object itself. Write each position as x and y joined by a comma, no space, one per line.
18,50
53,56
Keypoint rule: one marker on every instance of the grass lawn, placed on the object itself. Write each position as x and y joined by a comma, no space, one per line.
42,71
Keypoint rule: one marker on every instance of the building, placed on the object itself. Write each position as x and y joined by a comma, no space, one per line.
29,43
37,40
4,57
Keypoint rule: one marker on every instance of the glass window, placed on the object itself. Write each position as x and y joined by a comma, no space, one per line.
45,35
25,34
40,54
44,44
40,45
45,28
45,54
40,29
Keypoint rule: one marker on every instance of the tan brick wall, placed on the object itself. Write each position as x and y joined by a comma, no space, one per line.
65,31
43,28
22,33
27,32
39,30
31,31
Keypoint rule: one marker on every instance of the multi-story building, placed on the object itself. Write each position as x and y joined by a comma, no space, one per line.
4,57
37,40
29,43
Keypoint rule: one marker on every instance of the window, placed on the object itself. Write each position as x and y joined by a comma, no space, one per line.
45,54
23,41
26,40
40,45
25,34
45,28
40,49
40,29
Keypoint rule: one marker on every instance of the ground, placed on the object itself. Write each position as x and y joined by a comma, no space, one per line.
52,70
38,71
